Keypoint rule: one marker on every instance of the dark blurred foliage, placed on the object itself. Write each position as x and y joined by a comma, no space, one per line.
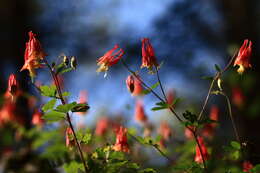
182,32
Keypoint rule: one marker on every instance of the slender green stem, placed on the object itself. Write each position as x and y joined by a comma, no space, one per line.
158,78
57,84
232,118
154,146
171,109
150,89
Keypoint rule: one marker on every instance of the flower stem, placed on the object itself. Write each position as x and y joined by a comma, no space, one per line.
57,84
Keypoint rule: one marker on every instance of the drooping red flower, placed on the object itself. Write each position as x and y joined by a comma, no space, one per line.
37,118
198,156
82,100
139,112
33,54
121,140
247,166
148,56
165,130
134,85
13,87
102,126
170,97
69,139
109,58
10,113
238,98
188,134
208,129
243,57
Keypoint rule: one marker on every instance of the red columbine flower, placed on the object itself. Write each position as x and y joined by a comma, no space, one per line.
37,118
121,140
110,58
13,87
238,97
69,137
165,130
243,57
247,166
208,129
134,85
82,100
102,126
139,112
148,57
198,156
33,54
170,97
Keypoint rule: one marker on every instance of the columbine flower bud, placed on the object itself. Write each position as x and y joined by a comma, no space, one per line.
66,60
243,57
13,87
73,62
37,118
134,85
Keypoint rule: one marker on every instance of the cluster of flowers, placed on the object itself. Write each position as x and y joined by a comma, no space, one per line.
34,55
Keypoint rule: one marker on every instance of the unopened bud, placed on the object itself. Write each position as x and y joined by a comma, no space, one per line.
73,62
66,60
219,84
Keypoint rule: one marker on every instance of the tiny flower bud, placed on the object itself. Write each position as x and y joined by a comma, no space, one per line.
66,60
73,62
219,84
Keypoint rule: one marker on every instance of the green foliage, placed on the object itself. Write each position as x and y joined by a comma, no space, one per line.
147,91
83,136
163,105
107,160
48,91
49,105
80,107
53,116
233,151
189,168
66,107
217,68
73,167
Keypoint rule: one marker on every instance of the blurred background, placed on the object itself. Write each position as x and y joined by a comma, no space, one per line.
188,37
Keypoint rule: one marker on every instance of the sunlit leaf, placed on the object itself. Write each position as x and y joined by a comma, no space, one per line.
49,105
53,116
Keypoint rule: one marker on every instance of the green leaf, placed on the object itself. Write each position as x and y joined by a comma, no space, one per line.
147,170
66,94
84,137
60,68
217,68
49,105
48,91
53,116
207,77
73,167
147,91
235,145
189,116
80,107
160,106
65,108
66,70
